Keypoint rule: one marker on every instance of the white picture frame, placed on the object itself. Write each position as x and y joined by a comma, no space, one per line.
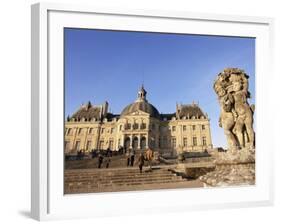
48,201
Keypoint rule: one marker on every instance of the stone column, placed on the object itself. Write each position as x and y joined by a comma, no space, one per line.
131,141
74,137
139,142
86,139
209,137
122,140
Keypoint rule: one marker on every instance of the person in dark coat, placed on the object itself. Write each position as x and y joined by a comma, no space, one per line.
107,157
100,160
141,161
132,157
128,156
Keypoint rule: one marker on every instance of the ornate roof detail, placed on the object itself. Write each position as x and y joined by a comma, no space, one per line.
141,104
167,117
142,94
189,110
88,112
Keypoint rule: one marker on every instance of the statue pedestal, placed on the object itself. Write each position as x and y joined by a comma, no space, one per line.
232,168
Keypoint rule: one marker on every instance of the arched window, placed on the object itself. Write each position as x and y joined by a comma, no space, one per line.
127,143
135,142
143,125
143,143
135,126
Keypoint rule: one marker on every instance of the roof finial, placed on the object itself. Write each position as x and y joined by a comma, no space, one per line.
142,94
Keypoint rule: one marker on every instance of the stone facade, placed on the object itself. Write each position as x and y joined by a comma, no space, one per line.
138,126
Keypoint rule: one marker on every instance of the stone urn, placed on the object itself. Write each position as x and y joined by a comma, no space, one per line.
181,157
180,153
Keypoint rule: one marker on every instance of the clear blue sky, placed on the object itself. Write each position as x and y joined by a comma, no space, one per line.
111,65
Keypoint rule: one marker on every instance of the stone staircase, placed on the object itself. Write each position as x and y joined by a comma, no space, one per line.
117,161
122,179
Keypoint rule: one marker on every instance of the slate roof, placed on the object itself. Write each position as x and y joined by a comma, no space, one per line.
87,113
143,106
189,110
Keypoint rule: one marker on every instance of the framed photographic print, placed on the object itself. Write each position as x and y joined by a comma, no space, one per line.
162,111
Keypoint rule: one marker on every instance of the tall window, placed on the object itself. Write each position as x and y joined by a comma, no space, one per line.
120,127
66,146
184,127
135,126
143,126
193,127
77,145
89,144
174,128
128,126
185,142
119,142
79,131
174,142
165,141
102,130
203,127
204,140
69,131
111,130
111,144
101,144
194,140
90,130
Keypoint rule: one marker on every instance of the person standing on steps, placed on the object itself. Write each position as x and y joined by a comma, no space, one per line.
141,161
100,159
107,157
128,157
132,157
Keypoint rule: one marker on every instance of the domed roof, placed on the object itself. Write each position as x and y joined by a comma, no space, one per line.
142,105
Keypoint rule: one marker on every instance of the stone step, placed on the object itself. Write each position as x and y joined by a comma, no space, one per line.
116,161
105,174
144,178
112,171
135,176
101,185
119,177
127,182
97,180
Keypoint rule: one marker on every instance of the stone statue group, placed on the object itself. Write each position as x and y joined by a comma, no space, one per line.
236,118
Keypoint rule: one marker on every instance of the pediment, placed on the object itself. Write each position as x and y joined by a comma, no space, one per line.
138,113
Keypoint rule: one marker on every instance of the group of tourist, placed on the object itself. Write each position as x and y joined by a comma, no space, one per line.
147,156
105,158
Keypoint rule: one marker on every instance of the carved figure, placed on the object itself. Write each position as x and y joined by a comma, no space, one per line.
236,116
226,120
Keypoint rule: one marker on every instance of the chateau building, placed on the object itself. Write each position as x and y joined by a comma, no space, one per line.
139,126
